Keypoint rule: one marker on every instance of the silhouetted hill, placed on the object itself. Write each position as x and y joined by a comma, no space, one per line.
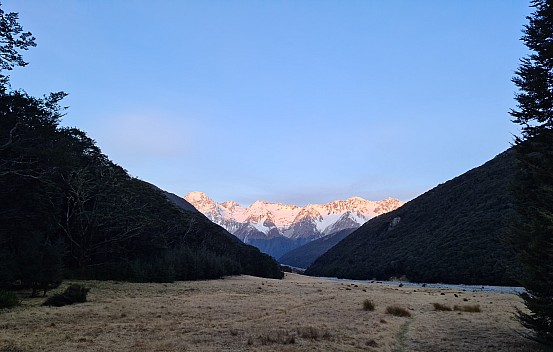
305,255
450,234
70,212
202,234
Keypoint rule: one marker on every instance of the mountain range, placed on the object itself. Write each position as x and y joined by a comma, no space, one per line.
278,228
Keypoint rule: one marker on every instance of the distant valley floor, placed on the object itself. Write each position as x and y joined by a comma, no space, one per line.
242,313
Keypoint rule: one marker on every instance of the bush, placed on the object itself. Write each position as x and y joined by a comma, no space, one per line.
470,309
368,305
73,294
441,307
282,337
8,300
397,311
313,333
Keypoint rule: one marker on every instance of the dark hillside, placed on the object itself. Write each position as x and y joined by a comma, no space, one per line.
202,234
178,201
69,211
173,244
450,234
304,256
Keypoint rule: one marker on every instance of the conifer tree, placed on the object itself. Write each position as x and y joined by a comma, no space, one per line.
532,230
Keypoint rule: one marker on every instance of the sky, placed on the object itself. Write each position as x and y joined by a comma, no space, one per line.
297,101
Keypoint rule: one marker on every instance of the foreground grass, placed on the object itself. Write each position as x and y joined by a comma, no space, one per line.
252,314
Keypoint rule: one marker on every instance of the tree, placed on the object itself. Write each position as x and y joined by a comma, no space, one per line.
29,252
12,39
532,231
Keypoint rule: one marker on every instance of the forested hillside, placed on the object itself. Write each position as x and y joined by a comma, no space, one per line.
453,234
67,210
66,205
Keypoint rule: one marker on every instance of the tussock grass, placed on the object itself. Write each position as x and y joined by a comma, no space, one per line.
398,311
281,337
313,333
368,305
441,307
288,337
468,308
8,300
73,294
371,343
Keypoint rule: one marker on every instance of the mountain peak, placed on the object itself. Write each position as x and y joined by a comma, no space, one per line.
197,196
201,202
230,204
265,221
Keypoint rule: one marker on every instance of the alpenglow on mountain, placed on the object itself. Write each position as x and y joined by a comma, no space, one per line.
278,228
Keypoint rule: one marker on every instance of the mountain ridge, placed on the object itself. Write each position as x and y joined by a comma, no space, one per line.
276,228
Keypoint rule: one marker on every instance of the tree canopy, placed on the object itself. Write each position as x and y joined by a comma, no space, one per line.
12,41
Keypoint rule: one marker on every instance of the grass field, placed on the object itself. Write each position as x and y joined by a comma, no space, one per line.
247,313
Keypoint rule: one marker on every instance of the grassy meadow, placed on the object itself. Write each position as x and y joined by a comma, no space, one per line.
246,313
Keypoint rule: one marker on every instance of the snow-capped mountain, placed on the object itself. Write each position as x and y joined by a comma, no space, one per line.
263,223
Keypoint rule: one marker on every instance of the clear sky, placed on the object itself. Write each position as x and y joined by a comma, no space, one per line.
298,101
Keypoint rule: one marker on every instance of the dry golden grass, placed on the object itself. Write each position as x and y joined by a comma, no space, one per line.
368,305
252,314
398,311
441,307
468,308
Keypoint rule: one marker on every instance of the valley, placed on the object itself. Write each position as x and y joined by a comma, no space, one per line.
246,313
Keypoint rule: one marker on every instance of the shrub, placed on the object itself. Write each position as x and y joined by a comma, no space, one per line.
8,299
282,337
371,343
73,294
441,307
468,308
313,333
368,305
398,311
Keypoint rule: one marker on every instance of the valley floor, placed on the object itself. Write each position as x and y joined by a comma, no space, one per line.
246,313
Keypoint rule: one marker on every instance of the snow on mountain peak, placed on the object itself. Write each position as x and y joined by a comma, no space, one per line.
197,197
230,204
313,220
200,201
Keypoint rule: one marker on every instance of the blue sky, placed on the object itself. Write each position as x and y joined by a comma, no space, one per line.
286,101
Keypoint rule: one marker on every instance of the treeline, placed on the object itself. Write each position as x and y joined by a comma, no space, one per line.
67,210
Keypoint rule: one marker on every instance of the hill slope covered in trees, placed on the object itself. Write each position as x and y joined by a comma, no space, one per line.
451,234
70,211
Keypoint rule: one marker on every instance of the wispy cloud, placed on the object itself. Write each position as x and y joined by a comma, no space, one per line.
146,135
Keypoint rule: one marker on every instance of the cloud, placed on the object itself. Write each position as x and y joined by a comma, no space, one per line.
132,136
